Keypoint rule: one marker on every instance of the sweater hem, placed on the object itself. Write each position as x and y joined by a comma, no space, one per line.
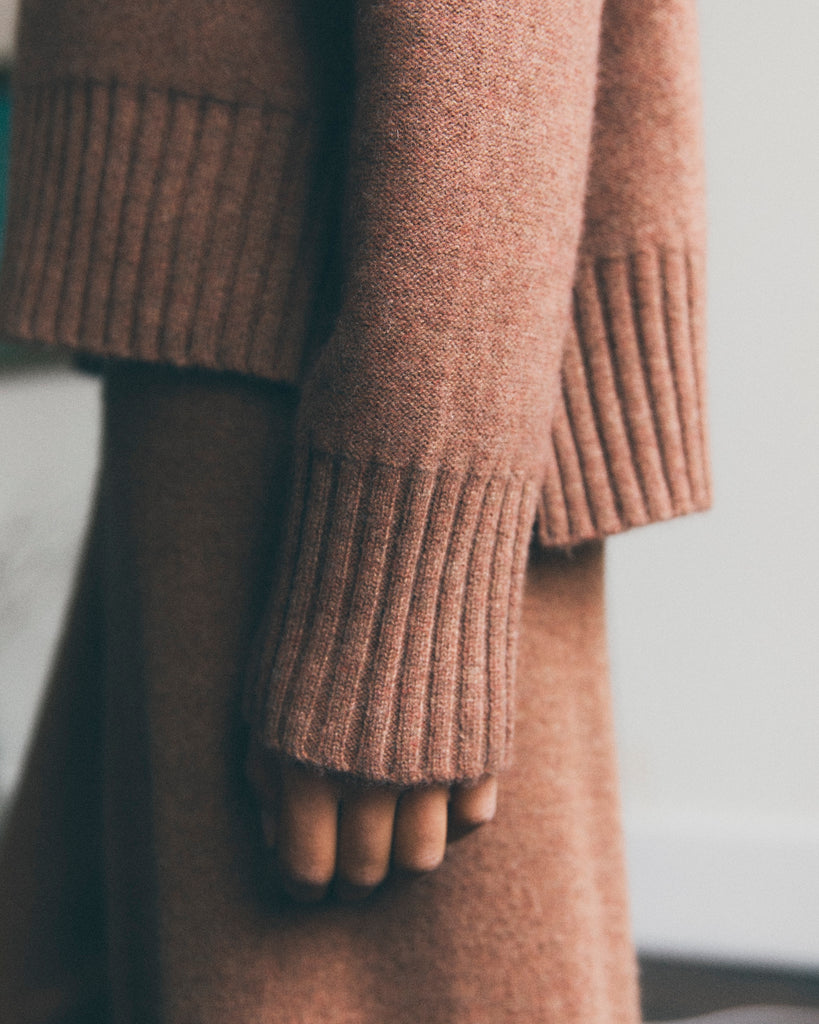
154,225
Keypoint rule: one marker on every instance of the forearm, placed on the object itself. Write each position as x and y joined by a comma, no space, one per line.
422,431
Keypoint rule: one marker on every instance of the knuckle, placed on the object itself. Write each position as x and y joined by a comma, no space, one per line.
304,869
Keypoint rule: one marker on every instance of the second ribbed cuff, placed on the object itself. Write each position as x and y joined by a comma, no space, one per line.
629,441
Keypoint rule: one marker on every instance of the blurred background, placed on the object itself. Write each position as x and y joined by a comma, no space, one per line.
713,618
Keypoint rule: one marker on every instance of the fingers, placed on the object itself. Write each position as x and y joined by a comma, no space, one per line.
328,832
419,841
364,839
322,830
306,832
472,805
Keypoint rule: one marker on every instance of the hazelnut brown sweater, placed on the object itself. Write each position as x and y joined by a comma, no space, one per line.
473,235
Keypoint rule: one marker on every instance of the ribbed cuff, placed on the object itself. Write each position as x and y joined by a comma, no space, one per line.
629,441
389,650
159,226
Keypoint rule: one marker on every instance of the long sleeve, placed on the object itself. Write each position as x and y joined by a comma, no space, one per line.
389,646
502,326
629,437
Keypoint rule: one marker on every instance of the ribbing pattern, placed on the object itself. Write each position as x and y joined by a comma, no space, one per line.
628,443
395,658
164,227
490,295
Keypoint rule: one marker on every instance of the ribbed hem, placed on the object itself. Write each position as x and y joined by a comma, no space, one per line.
629,437
159,226
389,651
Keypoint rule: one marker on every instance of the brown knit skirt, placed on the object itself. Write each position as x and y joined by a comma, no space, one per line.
133,883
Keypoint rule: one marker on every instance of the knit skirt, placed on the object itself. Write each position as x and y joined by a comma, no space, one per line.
134,886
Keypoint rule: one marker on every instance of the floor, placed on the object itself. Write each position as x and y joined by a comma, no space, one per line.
674,989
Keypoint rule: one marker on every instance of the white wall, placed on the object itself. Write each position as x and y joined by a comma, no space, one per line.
8,10
49,428
713,619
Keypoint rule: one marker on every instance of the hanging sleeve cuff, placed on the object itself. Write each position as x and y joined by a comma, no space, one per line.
629,441
393,660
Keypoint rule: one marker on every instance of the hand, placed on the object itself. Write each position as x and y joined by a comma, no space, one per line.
327,830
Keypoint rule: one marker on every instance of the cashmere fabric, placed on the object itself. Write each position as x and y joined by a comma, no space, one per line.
134,886
473,237
470,236
501,322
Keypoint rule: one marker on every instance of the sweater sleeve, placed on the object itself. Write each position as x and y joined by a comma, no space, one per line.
388,649
629,438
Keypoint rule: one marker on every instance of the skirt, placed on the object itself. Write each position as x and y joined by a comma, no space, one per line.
134,886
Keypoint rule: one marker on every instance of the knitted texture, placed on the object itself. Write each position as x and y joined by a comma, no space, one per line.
503,321
628,443
629,435
392,641
175,175
467,172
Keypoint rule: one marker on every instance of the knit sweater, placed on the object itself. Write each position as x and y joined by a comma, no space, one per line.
473,235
